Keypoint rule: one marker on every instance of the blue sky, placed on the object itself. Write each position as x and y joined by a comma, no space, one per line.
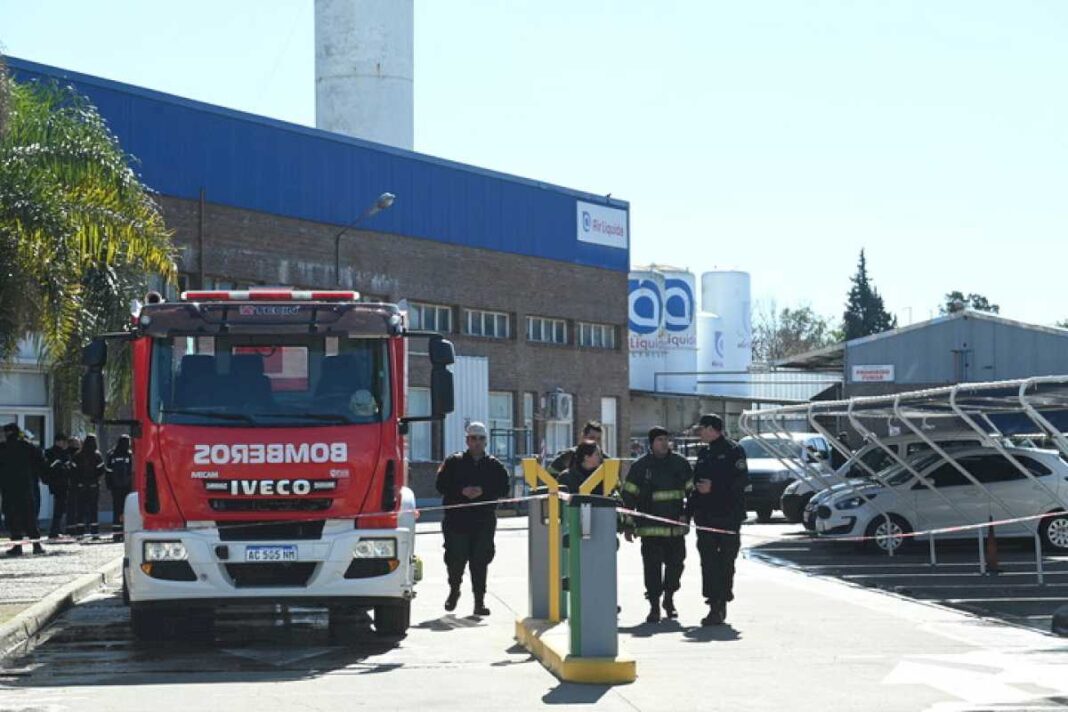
775,136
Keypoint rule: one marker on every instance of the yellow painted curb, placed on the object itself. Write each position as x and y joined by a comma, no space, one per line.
548,643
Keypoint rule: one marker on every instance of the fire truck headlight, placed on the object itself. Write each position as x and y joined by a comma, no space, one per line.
375,549
165,551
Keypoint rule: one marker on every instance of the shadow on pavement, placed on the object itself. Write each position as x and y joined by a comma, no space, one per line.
708,633
570,693
647,630
450,622
92,645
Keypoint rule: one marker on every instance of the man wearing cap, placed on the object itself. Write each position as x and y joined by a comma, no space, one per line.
718,501
21,464
469,478
657,484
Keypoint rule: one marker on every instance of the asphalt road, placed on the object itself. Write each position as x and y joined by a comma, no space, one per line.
1012,594
794,642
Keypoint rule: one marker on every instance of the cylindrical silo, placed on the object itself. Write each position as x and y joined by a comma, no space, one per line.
727,344
680,332
365,69
645,327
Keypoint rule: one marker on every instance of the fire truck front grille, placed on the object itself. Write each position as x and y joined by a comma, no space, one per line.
289,573
271,531
310,504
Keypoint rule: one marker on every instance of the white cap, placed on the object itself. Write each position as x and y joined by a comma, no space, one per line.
476,428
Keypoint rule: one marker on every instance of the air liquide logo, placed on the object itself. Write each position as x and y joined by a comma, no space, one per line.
270,453
601,225
661,316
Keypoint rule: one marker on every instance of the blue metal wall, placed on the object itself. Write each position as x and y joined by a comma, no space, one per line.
993,350
261,164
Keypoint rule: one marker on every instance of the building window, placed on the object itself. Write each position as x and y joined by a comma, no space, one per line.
597,336
430,317
548,331
494,325
559,427
500,423
419,433
609,424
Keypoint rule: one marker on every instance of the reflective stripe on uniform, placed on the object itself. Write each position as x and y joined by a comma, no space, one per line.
660,531
631,488
668,495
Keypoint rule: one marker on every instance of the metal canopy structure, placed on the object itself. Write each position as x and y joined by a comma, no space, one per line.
991,411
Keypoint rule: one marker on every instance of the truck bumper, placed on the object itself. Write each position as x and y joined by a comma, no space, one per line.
322,572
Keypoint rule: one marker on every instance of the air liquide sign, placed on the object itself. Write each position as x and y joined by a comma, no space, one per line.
661,317
601,225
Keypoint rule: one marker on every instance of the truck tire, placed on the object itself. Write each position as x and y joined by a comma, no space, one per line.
764,514
392,620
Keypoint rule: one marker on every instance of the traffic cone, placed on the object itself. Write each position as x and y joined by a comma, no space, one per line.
992,564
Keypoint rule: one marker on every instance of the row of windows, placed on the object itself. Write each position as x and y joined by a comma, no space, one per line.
498,325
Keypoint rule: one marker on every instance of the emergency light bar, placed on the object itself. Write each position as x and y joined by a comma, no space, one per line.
272,295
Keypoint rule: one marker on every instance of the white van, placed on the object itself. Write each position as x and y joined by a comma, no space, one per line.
912,506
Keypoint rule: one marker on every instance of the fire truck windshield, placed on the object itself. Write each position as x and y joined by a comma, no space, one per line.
269,381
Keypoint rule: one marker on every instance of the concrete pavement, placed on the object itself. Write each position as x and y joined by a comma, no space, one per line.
794,642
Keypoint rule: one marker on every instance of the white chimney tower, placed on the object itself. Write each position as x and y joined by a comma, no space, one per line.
365,68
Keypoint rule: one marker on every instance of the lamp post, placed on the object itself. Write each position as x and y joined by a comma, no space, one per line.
384,202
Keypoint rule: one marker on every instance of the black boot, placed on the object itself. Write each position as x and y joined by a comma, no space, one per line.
714,616
480,605
37,548
454,596
669,606
14,551
654,610
723,611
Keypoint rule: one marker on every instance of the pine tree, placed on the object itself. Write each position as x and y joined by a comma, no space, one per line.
865,313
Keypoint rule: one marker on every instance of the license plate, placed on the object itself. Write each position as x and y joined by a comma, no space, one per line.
270,553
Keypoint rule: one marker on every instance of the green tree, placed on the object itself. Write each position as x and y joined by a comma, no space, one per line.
957,301
865,313
779,334
79,234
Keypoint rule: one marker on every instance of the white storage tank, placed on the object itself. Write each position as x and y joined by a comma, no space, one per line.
725,341
365,69
680,332
645,327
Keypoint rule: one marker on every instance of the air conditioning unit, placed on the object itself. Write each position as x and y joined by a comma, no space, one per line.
560,405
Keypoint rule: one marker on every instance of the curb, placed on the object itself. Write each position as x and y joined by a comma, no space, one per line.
27,624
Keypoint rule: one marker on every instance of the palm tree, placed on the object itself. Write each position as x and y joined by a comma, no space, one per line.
79,234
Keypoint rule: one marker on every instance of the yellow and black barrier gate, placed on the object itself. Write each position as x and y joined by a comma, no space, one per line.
573,626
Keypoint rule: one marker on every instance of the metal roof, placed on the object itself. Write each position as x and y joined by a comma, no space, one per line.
265,165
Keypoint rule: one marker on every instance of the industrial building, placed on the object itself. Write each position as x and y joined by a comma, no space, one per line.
528,279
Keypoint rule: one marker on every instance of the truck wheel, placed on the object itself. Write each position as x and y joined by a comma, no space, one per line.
764,514
148,625
393,620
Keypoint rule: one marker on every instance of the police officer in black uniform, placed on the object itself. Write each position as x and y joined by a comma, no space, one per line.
21,463
119,479
471,477
60,467
718,501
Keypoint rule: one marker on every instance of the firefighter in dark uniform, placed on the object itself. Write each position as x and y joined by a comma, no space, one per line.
60,467
119,480
718,501
21,463
657,484
470,477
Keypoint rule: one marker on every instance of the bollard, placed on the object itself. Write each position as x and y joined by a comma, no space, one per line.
591,523
585,648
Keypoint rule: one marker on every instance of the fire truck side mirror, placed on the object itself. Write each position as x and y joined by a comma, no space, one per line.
95,355
93,394
441,392
442,352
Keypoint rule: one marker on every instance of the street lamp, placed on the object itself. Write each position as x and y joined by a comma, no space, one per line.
384,202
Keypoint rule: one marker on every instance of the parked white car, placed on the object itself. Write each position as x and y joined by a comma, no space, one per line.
912,506
797,498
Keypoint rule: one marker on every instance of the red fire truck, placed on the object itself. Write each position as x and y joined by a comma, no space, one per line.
268,434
